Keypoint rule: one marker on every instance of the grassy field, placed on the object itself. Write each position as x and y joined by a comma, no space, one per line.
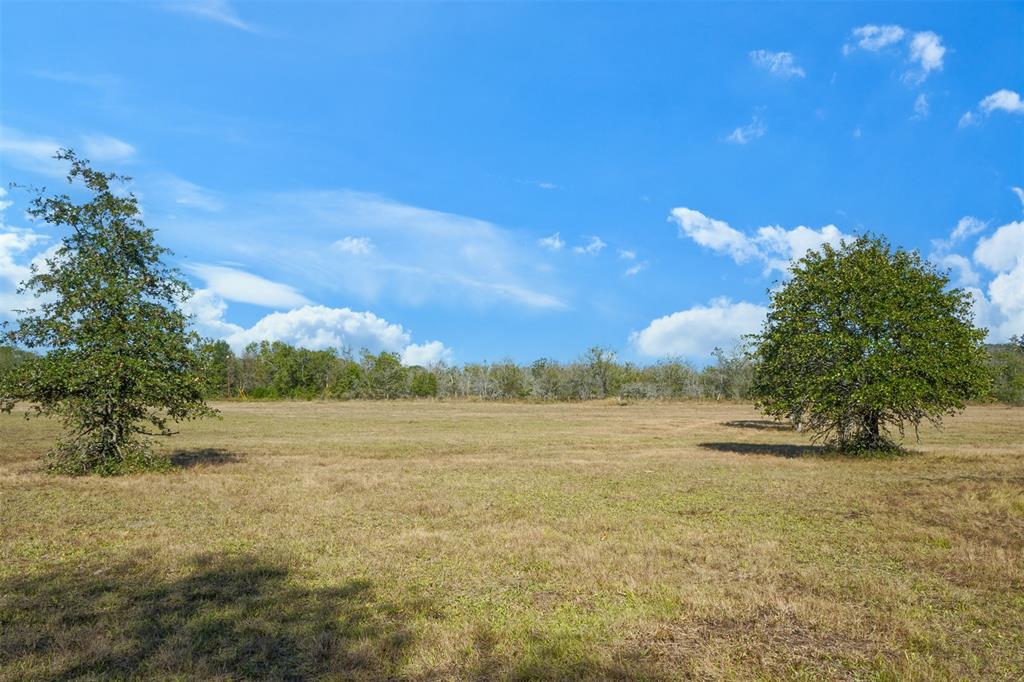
422,540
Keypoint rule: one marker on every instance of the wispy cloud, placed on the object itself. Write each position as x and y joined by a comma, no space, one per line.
219,11
106,148
33,153
101,82
188,194
419,255
745,134
773,245
781,64
592,247
552,243
921,107
357,246
924,50
237,285
626,254
1003,100
874,38
635,269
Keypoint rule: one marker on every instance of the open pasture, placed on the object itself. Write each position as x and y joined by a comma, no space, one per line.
461,540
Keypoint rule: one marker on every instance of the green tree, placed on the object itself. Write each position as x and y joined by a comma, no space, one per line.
864,338
600,364
384,378
1006,362
424,383
120,363
220,367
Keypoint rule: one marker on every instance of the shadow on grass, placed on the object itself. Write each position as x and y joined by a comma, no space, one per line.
775,449
186,459
759,424
230,618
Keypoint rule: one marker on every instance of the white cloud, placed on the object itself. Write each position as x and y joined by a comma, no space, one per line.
626,254
315,327
781,64
927,51
208,310
188,194
102,82
744,134
1003,249
245,287
773,245
547,185
1000,100
636,269
698,330
1020,194
357,246
420,255
30,152
966,277
219,11
106,148
34,153
552,243
16,261
874,38
921,107
778,246
968,226
1002,253
426,354
1000,307
716,235
968,119
593,247
15,267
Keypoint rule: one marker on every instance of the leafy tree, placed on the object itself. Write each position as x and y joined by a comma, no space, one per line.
220,366
600,364
384,378
1006,362
424,383
10,357
509,380
864,338
120,363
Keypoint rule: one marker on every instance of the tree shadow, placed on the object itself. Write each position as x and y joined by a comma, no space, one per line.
229,618
759,424
186,459
786,450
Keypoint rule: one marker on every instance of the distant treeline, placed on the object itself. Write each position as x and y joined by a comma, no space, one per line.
277,370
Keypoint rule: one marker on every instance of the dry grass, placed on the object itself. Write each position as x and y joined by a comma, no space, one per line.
468,540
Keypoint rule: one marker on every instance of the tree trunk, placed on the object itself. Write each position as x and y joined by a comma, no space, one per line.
873,427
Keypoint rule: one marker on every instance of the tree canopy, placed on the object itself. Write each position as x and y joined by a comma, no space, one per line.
864,339
119,362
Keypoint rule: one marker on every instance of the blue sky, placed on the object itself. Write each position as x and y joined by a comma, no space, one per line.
473,182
